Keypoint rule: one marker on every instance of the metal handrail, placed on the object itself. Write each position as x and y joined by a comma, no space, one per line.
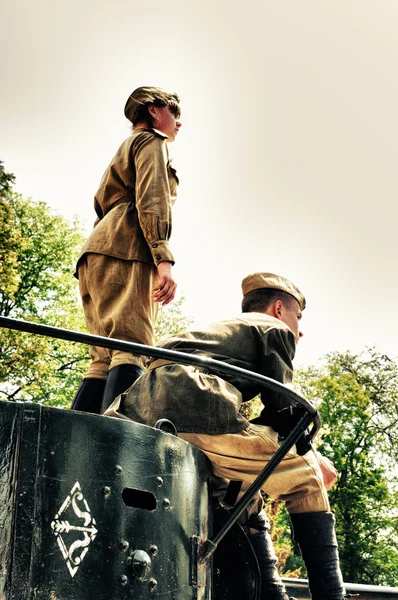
359,591
174,355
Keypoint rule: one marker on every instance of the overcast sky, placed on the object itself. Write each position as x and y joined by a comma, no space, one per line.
287,156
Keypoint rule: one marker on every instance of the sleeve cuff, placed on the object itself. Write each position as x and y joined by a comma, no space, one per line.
161,252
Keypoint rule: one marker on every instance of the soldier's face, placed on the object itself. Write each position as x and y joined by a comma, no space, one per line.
167,122
291,315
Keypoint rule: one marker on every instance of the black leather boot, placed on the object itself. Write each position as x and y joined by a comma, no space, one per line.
120,378
272,587
315,534
89,396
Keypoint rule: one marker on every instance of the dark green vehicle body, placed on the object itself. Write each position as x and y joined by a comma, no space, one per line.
93,507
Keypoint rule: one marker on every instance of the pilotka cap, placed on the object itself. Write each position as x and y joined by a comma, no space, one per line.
258,281
147,95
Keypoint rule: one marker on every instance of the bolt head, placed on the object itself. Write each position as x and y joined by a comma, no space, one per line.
141,564
153,584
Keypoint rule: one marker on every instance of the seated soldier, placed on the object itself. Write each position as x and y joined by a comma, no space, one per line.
205,409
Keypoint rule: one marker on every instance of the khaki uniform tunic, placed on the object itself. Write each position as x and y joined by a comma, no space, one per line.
205,407
117,266
134,201
203,402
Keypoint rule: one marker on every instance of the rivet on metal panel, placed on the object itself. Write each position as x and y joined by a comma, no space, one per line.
159,481
124,545
153,584
141,564
166,503
106,491
153,550
118,469
123,580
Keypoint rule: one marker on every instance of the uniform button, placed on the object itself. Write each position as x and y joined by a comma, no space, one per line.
154,245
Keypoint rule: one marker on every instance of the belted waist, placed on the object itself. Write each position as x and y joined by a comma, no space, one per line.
161,362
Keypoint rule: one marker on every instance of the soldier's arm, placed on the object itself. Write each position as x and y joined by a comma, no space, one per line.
152,191
153,204
277,352
278,347
329,472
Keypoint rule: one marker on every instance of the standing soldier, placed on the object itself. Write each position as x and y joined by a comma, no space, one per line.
125,267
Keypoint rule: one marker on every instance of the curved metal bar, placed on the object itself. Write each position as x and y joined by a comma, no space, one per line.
174,355
211,544
364,591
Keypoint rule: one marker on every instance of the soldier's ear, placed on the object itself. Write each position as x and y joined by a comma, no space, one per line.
153,111
277,309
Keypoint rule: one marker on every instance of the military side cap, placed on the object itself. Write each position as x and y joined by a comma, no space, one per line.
259,281
147,95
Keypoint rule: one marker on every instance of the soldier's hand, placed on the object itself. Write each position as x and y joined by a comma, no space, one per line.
329,472
166,286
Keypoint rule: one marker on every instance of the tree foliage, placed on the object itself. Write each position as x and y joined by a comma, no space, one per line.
357,397
7,180
38,250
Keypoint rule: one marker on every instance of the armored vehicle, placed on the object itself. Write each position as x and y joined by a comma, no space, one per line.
95,507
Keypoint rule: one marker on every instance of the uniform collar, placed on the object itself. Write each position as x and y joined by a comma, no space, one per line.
159,133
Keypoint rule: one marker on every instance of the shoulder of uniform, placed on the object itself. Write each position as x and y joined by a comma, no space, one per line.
149,132
264,323
160,134
256,318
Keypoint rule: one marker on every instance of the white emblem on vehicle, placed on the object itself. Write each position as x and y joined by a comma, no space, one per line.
74,550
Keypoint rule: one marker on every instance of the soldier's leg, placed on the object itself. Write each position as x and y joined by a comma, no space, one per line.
132,314
256,525
88,397
298,481
272,587
316,537
120,378
117,303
